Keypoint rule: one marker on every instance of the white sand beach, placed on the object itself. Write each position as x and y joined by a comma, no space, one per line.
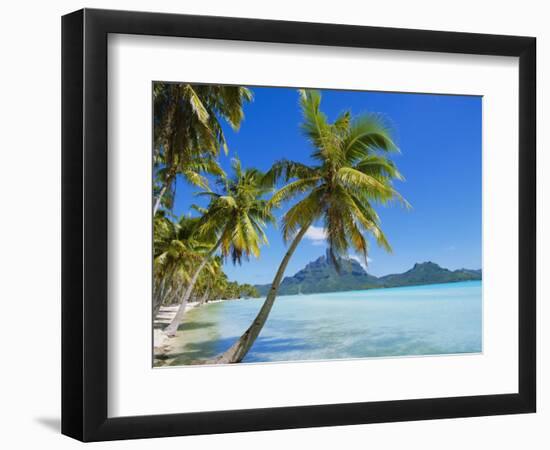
161,342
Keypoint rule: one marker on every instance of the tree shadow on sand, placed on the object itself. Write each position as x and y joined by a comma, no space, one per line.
195,351
260,352
186,326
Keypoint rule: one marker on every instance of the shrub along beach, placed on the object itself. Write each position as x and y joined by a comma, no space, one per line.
349,173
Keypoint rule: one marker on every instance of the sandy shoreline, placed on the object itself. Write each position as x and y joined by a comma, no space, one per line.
161,342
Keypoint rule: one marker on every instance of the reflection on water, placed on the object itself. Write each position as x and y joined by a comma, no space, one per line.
419,320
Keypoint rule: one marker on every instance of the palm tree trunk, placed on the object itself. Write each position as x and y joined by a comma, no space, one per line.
169,180
158,298
161,292
239,350
159,198
171,329
157,286
204,297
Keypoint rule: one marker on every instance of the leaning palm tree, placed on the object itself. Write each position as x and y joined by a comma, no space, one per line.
207,280
188,134
192,167
176,252
352,172
237,216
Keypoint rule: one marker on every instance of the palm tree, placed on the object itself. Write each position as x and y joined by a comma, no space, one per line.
187,131
351,173
208,279
191,167
237,217
177,250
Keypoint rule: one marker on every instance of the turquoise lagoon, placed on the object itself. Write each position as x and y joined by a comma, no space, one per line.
420,320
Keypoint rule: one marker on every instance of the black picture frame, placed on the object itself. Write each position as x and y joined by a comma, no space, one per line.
84,224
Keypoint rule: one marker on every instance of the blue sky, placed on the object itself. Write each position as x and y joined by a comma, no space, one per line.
440,141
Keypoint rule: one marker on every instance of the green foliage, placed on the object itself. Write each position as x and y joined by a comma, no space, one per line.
238,213
233,222
428,273
177,250
321,276
188,134
353,172
248,290
232,290
214,285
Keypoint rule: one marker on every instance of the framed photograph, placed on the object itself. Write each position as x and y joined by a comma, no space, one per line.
274,224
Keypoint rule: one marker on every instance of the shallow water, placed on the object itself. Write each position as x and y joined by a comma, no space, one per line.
418,320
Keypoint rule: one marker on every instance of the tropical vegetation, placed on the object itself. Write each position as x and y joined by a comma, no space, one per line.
351,173
234,222
188,133
321,276
178,252
187,139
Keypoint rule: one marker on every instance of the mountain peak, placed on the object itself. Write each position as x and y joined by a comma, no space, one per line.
325,261
320,275
427,265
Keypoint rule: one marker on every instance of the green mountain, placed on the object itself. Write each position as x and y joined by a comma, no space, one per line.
321,276
428,273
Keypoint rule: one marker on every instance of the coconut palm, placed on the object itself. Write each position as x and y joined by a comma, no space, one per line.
192,167
204,286
237,216
352,172
177,250
188,134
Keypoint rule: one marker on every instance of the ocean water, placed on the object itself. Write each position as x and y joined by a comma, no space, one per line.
419,320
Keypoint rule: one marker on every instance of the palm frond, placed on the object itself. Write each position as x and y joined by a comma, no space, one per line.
368,133
315,125
379,167
285,170
196,104
357,180
302,213
195,178
292,189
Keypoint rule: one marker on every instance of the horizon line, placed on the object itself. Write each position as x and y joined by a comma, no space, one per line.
366,272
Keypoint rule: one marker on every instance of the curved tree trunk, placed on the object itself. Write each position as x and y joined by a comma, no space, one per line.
158,297
204,297
166,124
171,329
159,198
239,350
169,180
161,292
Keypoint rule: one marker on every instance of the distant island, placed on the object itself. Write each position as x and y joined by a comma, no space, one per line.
321,276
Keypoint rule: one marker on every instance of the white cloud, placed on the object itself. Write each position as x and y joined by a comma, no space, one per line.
316,235
318,243
360,260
